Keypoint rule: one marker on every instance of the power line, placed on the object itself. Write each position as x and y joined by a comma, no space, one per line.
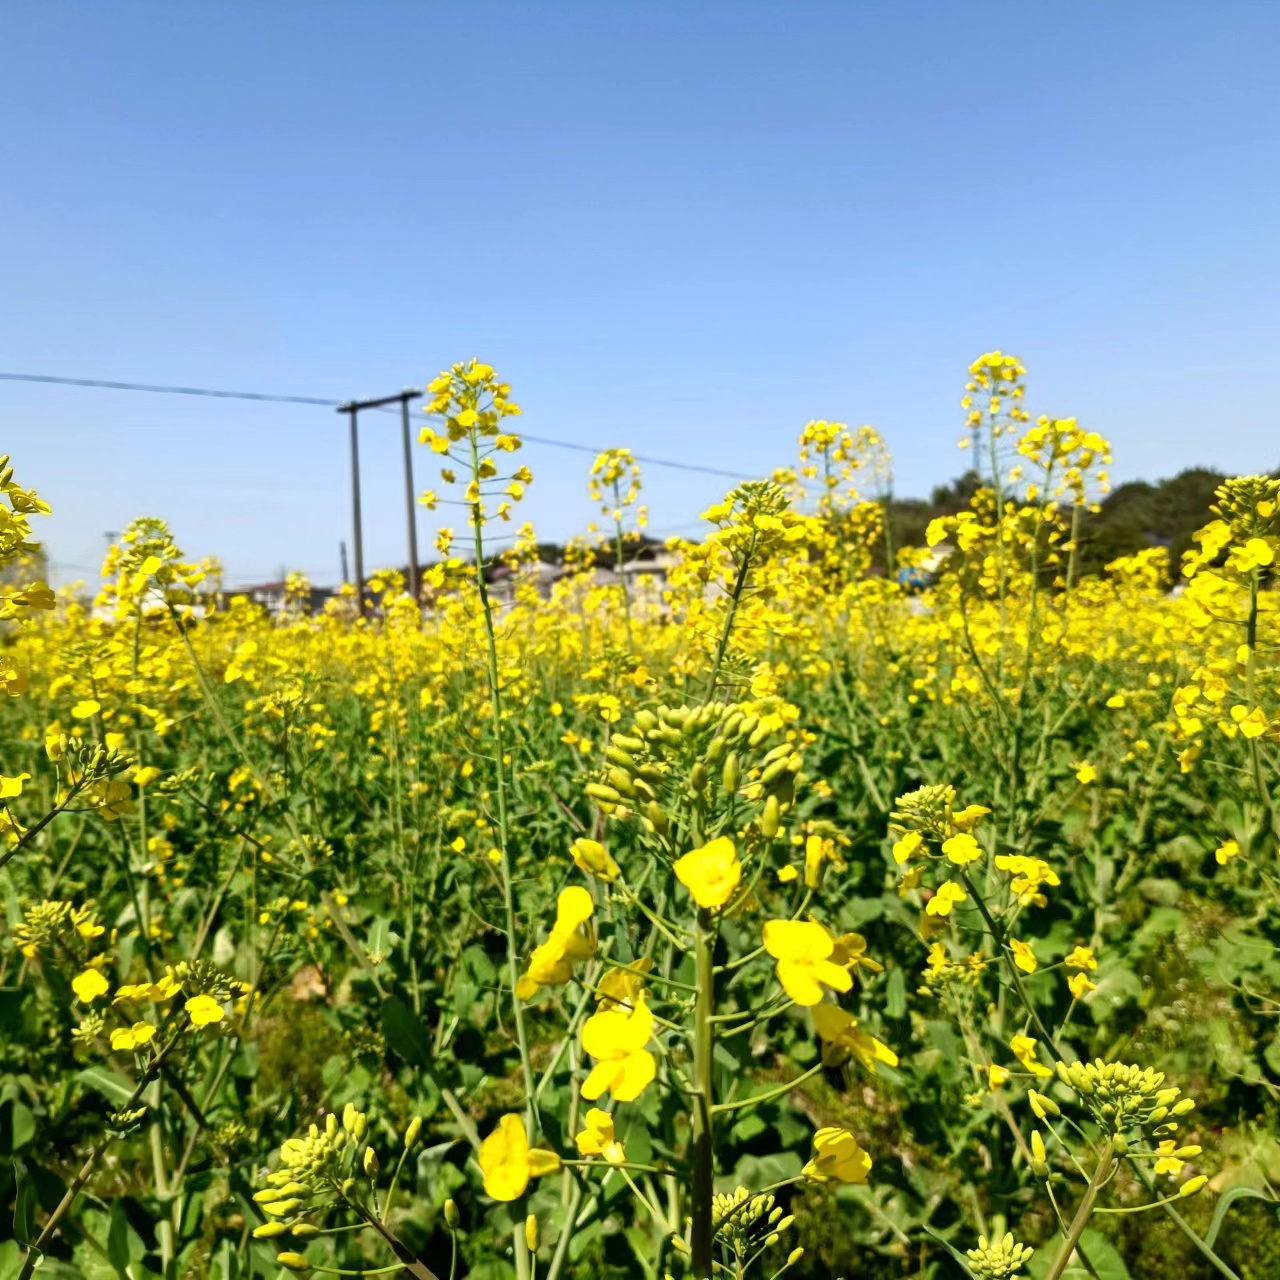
271,398
52,380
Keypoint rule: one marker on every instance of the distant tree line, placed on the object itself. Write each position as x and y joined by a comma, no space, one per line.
1137,515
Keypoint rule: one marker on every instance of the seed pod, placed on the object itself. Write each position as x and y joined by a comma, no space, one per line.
731,722
698,775
628,743
616,755
646,720
758,734
780,752
747,726
657,815
771,817
715,749
598,791
732,773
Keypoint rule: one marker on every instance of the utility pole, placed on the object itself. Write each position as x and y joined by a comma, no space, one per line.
410,505
352,409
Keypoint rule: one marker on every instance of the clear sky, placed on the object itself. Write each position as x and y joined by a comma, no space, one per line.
686,227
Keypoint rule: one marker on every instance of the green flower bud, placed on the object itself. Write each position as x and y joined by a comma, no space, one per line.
621,781
370,1162
452,1218
412,1132
293,1261
269,1229
732,775
771,817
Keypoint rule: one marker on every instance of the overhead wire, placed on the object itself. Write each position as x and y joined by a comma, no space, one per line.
323,402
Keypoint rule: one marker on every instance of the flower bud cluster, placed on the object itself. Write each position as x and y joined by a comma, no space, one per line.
744,1223
1000,1259
1122,1096
674,755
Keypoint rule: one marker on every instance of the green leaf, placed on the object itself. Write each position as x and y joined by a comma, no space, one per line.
10,1259
118,1240
24,1204
405,1033
112,1087
895,994
22,1125
1101,1253
382,940
1225,1202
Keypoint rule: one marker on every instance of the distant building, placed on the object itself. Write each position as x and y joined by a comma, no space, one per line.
273,596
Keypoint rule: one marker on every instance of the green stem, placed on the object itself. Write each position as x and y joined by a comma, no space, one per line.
703,1150
1083,1213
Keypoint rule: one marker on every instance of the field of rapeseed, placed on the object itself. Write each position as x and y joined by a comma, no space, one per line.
799,918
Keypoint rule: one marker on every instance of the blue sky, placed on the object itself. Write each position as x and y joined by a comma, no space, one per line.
684,227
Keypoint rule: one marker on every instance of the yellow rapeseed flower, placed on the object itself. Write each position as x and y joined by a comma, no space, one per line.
1024,1049
710,873
803,950
204,1011
593,858
508,1161
948,895
837,1157
841,1034
598,1138
1023,956
133,1037
616,1038
89,985
961,849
